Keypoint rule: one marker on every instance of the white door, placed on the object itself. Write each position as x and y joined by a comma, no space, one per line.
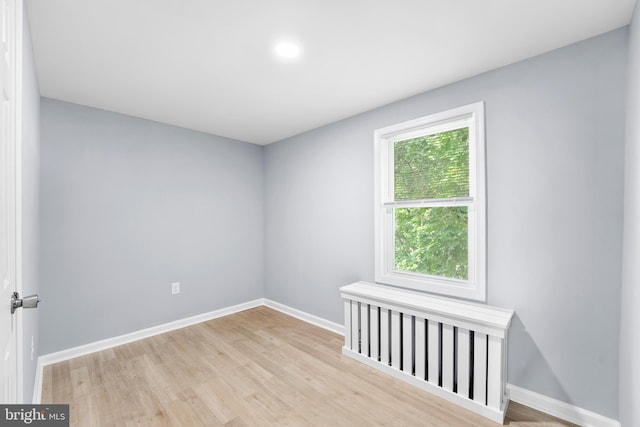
8,322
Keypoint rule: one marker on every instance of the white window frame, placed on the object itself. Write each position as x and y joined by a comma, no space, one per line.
474,288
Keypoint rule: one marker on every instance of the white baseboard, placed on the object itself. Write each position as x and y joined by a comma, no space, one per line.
526,397
557,408
83,350
309,318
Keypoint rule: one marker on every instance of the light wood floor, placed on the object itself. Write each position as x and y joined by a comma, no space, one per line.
254,368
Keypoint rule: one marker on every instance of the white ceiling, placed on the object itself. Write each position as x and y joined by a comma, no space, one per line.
209,65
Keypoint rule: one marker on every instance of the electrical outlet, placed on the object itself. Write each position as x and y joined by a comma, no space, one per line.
175,288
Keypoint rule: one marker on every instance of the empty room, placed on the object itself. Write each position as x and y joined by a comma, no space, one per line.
407,213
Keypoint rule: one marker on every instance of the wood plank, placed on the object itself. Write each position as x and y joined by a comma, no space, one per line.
355,327
480,368
421,347
347,324
463,358
494,373
364,329
407,343
434,352
289,373
447,357
384,337
374,341
396,339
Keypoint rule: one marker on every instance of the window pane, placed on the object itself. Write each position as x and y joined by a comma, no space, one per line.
433,166
432,241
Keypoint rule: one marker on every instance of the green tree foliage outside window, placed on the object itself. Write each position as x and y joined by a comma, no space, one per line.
432,240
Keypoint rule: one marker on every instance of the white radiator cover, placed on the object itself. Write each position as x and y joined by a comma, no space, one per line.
454,349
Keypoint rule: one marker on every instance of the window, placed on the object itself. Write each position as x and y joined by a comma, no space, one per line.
430,203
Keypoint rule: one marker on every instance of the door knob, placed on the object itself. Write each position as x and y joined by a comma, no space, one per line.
27,302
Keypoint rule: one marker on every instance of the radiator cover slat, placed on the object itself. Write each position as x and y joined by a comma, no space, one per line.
454,349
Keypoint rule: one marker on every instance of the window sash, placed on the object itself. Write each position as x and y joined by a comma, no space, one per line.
428,203
471,116
388,193
389,231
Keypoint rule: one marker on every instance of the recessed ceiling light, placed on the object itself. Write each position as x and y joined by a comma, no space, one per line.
287,50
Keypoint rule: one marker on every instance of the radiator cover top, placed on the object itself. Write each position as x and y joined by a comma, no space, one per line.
454,349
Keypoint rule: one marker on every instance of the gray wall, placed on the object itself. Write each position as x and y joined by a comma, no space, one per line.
30,211
555,135
129,206
630,312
